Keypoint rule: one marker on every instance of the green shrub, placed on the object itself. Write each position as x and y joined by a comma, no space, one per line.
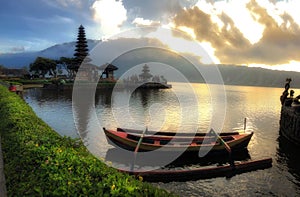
39,162
13,82
34,81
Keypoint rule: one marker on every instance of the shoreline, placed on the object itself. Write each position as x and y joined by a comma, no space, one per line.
38,161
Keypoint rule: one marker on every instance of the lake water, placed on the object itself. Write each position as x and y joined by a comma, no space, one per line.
186,108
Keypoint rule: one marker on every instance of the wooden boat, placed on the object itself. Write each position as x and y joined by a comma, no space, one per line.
201,173
185,144
168,133
177,137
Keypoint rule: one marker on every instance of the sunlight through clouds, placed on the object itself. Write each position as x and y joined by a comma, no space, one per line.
110,14
291,66
277,9
187,30
140,22
240,32
238,12
249,32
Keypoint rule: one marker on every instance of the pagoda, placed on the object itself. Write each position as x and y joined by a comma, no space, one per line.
145,76
88,71
81,50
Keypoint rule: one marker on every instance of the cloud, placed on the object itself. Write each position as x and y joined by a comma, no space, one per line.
140,22
24,44
145,26
155,10
65,3
279,44
61,19
110,14
56,19
18,49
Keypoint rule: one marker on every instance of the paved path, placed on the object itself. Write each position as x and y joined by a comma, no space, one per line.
3,192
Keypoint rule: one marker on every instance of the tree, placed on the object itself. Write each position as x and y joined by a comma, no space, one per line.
2,67
25,68
68,64
41,66
81,50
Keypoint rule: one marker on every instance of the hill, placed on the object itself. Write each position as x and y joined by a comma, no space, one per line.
232,74
249,76
19,60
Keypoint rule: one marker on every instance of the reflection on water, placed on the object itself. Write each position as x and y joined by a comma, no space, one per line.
159,110
124,160
54,108
179,110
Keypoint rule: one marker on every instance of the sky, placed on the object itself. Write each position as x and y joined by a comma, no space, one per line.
264,33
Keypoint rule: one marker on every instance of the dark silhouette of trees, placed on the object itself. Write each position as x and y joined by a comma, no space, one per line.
41,66
67,64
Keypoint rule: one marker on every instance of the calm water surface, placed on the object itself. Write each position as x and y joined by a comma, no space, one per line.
182,108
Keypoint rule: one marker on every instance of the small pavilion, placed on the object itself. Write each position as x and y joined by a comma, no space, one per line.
108,71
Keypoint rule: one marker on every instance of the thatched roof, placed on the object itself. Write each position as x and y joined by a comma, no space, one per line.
108,67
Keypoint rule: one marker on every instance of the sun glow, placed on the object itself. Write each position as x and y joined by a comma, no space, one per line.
240,15
258,33
276,10
183,42
110,14
188,31
292,66
205,45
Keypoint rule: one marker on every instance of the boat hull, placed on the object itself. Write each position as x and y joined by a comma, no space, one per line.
168,133
120,139
201,173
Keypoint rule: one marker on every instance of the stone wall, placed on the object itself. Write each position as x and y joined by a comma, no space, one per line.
290,123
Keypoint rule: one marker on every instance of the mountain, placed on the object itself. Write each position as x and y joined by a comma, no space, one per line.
133,53
19,60
249,76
